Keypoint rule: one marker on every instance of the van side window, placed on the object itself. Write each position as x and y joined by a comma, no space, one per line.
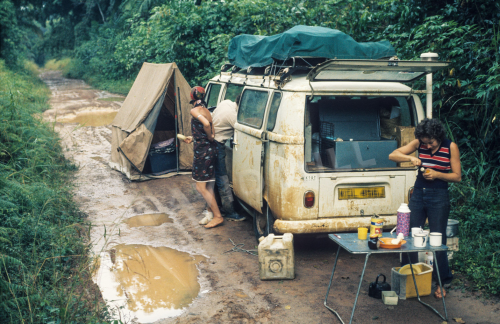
213,94
273,111
232,91
252,108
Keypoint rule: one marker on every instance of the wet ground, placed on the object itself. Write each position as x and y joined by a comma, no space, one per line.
158,265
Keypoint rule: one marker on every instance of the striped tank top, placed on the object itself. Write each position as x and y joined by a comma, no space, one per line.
439,161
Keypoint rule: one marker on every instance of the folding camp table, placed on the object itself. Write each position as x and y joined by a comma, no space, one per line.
351,243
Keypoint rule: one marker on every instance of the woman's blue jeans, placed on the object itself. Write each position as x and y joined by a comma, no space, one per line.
434,205
222,181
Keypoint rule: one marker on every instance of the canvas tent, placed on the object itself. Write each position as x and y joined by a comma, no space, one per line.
157,103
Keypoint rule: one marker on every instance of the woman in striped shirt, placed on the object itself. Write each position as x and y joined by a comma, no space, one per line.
438,163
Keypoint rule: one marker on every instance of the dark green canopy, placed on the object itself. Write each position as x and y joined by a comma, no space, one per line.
257,51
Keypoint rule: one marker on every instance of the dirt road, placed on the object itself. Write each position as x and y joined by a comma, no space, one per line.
158,265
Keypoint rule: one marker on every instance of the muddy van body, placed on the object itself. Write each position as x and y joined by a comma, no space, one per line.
311,144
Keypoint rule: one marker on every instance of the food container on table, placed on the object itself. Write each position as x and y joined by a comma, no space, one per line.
386,243
376,225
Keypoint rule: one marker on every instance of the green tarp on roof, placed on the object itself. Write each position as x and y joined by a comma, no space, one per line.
257,51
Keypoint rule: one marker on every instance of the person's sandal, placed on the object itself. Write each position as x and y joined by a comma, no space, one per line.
437,293
208,217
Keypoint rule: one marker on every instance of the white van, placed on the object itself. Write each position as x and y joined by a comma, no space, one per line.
311,143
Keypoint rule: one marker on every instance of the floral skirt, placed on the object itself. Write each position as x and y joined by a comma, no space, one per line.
205,154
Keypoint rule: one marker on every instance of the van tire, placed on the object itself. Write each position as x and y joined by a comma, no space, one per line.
263,223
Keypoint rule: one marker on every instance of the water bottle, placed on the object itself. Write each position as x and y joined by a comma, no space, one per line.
403,220
429,259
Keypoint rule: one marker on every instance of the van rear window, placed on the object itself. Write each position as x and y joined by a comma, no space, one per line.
252,108
353,132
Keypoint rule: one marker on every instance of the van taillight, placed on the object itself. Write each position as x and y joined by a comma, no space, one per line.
410,193
309,199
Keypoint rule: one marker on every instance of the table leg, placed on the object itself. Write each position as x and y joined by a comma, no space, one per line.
329,286
418,295
357,294
359,287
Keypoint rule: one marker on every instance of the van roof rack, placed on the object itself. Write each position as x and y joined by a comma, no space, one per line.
280,70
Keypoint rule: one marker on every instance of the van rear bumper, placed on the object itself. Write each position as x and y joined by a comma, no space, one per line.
329,225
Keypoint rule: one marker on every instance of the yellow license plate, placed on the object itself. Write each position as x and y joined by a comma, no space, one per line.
361,193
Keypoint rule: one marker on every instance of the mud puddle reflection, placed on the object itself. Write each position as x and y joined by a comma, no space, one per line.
150,283
148,220
89,118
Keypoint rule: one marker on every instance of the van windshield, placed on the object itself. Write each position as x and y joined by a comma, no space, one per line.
354,132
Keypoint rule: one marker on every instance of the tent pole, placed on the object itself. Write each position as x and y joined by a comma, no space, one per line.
180,117
177,144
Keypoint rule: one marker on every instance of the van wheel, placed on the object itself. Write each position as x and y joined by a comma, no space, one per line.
263,223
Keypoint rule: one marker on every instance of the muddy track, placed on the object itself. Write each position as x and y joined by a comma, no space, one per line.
227,285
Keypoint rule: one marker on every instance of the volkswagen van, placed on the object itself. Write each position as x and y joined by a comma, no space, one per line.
312,140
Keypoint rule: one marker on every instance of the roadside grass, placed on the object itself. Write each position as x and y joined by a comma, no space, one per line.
57,64
45,270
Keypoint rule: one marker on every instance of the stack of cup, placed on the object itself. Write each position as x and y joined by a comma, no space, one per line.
434,238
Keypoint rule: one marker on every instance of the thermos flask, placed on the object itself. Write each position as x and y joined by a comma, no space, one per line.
403,220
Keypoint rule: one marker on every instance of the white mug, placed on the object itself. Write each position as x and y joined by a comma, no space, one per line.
419,240
415,230
435,239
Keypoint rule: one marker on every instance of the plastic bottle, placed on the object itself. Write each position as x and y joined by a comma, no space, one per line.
429,259
403,225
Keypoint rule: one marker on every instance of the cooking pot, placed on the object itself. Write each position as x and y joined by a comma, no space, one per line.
452,228
375,289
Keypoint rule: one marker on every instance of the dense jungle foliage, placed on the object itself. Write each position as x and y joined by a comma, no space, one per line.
108,40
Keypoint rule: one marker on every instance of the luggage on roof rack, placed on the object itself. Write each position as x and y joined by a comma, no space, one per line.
302,42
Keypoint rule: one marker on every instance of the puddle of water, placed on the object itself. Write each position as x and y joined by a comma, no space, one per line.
89,118
150,283
148,220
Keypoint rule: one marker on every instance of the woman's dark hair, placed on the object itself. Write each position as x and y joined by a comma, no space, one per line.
431,128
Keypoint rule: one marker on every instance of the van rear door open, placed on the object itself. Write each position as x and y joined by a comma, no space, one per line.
373,70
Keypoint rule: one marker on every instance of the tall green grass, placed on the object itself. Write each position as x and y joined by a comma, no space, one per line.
74,68
45,272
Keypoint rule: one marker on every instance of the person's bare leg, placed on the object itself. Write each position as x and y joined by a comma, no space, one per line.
217,220
206,189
